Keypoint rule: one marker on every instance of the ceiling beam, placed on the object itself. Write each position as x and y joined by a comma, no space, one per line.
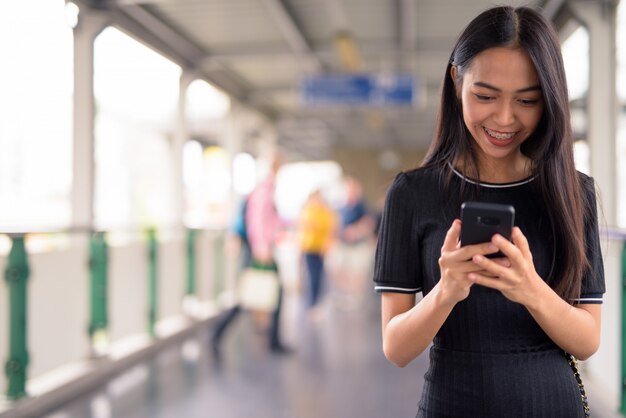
551,8
366,49
293,35
406,38
338,18
192,52
406,23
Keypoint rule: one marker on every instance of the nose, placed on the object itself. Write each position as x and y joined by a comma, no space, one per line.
505,115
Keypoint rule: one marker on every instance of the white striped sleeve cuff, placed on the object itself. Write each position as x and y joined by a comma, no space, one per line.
591,298
381,289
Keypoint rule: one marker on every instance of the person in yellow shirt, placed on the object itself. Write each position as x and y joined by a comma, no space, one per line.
316,229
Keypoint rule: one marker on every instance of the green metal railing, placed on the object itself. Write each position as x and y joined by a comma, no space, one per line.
16,275
99,272
191,262
623,346
219,275
152,282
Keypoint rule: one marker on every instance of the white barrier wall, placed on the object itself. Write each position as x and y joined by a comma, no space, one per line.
205,266
58,308
171,278
128,290
4,324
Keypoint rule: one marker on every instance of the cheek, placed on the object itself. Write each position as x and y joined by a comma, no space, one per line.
473,113
472,116
532,119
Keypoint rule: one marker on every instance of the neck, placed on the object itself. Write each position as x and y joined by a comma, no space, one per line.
501,170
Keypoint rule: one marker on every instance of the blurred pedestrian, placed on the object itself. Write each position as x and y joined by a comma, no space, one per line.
262,227
353,254
316,229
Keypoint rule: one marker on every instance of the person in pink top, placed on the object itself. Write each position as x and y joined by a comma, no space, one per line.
262,228
262,220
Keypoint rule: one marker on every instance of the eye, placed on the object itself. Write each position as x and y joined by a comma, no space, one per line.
528,102
483,98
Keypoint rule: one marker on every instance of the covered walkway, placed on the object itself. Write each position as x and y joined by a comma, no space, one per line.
132,130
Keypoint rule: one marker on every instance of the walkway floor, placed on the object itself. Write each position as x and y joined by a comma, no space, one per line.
337,371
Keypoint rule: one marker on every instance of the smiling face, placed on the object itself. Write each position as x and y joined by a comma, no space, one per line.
502,103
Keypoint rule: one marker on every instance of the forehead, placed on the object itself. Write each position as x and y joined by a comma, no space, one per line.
505,68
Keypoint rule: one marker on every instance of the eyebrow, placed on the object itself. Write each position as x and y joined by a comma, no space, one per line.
490,87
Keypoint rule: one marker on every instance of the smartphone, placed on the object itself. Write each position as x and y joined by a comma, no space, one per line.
481,221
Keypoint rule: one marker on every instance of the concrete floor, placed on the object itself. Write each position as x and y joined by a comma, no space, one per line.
337,370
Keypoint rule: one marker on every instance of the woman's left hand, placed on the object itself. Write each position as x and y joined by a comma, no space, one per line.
520,281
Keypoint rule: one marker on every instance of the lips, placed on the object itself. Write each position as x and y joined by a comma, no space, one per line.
498,138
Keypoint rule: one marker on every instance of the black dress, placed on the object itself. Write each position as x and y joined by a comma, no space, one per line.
490,358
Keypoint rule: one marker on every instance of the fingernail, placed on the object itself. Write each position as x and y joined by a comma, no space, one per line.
478,258
492,247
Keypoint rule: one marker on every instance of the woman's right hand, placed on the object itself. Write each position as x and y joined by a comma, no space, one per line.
455,263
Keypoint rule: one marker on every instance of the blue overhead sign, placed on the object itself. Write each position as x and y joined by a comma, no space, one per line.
359,89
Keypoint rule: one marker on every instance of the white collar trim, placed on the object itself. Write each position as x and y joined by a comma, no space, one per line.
490,185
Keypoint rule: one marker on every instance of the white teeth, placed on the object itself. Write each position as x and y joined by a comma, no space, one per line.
498,135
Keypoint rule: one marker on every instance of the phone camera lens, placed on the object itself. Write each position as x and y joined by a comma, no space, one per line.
488,220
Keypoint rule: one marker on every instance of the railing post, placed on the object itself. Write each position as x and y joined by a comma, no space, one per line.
98,268
623,346
152,281
191,262
218,272
16,275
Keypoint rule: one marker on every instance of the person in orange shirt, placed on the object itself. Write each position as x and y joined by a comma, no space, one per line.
316,229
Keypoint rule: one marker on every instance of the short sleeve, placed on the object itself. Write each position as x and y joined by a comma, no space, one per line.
396,267
593,286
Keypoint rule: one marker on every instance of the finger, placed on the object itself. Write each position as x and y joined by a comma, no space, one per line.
486,273
485,248
452,236
520,241
507,247
468,267
503,261
483,280
490,265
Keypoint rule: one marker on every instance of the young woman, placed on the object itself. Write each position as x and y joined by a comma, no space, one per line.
503,331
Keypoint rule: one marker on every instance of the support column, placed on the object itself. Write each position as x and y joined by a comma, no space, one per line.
90,24
182,135
600,19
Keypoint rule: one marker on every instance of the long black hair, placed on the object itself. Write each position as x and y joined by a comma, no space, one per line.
550,147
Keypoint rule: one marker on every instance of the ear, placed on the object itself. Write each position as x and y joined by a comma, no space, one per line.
454,73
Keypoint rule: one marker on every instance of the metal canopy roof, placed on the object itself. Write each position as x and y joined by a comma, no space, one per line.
259,51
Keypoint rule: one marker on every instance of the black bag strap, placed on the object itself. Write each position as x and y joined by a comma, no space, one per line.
573,363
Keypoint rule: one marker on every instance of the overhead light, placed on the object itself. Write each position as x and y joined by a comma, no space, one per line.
348,52
71,14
